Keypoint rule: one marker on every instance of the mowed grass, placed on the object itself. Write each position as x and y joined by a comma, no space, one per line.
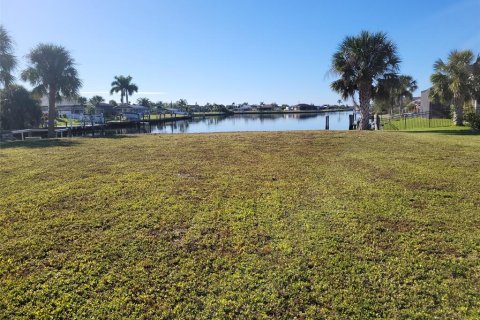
418,123
325,225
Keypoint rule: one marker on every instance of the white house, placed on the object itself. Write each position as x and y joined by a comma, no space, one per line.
132,108
66,108
244,107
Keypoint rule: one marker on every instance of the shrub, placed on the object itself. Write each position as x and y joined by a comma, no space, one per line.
474,120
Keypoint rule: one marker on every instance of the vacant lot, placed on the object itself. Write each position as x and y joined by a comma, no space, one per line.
336,225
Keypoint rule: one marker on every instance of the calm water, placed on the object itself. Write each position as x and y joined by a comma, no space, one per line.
256,122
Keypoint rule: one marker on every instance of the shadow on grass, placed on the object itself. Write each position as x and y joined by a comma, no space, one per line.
44,143
48,143
452,132
109,136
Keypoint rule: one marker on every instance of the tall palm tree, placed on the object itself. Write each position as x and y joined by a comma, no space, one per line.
52,71
8,61
360,62
123,85
456,81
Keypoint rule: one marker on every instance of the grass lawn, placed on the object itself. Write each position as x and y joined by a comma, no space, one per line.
161,116
334,225
60,122
418,123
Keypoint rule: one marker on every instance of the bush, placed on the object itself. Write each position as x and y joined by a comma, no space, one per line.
474,120
17,109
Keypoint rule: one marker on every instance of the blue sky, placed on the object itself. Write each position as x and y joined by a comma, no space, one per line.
227,51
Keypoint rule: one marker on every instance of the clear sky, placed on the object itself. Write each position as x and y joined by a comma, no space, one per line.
227,51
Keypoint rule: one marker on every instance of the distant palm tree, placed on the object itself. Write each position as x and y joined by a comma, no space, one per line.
82,100
52,71
144,102
113,103
96,100
360,61
395,91
8,61
456,81
123,85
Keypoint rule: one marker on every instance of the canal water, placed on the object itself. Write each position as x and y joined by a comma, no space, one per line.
256,122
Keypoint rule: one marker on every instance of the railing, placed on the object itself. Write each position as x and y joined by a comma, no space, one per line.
409,121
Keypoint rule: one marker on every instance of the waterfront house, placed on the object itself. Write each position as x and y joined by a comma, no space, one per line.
244,107
131,109
105,108
265,107
65,108
175,111
304,106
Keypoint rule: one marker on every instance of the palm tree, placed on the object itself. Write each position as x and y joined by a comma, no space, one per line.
52,71
144,102
123,85
394,91
8,61
82,100
96,100
360,62
456,81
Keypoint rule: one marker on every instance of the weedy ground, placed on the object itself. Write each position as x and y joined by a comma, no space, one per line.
333,225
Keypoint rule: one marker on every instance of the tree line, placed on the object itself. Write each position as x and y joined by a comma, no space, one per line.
367,66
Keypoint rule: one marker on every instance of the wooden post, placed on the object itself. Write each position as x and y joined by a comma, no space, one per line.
350,121
327,123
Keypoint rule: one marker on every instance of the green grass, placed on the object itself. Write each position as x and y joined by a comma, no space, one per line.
416,123
334,225
161,116
60,122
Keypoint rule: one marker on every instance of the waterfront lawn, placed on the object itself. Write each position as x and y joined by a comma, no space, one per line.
334,225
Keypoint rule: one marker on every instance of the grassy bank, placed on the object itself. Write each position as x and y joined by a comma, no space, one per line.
336,225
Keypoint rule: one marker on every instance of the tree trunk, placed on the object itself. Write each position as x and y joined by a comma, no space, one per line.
458,114
365,97
51,111
126,96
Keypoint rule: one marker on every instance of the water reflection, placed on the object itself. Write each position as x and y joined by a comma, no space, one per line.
255,122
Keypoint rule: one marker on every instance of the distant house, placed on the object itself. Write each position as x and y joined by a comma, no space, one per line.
105,108
427,105
304,106
417,102
175,111
131,109
195,108
434,109
244,107
65,108
265,107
